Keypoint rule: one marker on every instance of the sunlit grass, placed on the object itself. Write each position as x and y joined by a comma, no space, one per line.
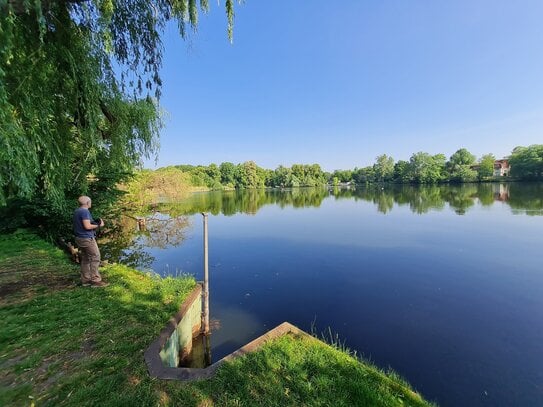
63,344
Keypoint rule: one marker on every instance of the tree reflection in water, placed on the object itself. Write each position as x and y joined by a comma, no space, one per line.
521,197
128,240
167,223
162,230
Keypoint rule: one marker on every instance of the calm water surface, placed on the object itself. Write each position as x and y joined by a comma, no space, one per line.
442,284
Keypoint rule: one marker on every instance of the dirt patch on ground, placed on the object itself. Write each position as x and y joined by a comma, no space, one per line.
57,366
41,378
5,364
26,288
48,373
6,376
52,281
21,277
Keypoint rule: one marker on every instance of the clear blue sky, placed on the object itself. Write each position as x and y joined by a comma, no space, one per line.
338,83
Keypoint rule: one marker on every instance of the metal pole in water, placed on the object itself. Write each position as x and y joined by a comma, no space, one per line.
206,279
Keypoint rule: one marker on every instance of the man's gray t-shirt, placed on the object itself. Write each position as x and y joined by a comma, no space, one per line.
79,230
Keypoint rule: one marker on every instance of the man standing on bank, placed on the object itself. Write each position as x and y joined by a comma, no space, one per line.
89,254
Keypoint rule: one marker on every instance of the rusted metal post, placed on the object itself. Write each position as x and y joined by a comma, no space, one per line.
207,350
206,280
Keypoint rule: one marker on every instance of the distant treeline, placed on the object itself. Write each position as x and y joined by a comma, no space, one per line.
422,168
173,182
526,198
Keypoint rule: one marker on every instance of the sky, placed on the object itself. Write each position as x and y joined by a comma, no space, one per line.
339,83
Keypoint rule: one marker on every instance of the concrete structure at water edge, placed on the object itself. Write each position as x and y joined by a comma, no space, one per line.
174,343
181,329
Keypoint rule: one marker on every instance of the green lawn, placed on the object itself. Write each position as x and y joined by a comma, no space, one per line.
63,344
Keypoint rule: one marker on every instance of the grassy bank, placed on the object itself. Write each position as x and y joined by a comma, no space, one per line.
63,344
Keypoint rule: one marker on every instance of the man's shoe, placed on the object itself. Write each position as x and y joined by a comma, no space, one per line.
99,284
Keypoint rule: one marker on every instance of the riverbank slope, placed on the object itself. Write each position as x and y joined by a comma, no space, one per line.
63,344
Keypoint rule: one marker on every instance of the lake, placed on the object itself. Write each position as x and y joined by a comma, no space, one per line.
444,284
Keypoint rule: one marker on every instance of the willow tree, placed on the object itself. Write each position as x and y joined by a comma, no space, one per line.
79,91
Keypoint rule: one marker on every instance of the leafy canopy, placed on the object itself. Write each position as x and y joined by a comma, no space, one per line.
79,84
79,91
527,162
486,166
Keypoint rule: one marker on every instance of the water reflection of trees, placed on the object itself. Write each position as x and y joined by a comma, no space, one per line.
461,197
419,198
245,201
128,240
162,230
526,198
166,224
522,197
